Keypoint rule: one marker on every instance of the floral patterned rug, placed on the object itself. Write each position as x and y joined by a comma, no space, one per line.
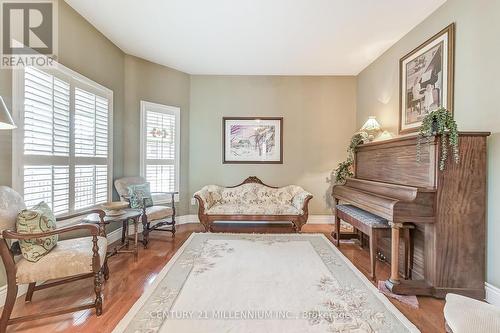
262,283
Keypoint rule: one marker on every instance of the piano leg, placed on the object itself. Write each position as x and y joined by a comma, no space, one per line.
408,253
394,279
394,284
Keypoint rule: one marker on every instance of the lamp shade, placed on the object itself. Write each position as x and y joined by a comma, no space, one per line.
371,125
6,121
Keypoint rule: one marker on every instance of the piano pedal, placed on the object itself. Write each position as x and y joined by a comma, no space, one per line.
381,257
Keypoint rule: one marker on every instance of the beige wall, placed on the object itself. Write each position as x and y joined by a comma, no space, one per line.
85,50
151,82
319,119
476,89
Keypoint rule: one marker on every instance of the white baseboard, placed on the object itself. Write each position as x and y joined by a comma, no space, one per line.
492,294
321,219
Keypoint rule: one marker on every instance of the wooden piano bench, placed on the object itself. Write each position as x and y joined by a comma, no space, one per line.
374,227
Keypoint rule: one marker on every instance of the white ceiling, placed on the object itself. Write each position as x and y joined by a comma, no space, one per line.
253,37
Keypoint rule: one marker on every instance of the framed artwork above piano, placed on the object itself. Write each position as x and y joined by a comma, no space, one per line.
447,210
426,78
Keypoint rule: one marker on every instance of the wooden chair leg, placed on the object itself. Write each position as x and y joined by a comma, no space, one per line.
105,270
10,300
29,293
145,234
337,230
337,222
373,253
98,293
124,231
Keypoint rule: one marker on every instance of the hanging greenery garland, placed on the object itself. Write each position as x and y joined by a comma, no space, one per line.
440,122
344,169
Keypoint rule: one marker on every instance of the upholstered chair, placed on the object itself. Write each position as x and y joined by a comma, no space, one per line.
466,315
68,261
159,217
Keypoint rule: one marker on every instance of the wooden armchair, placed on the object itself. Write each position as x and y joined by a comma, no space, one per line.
157,217
68,261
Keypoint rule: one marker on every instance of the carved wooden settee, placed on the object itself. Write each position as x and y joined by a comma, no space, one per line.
252,200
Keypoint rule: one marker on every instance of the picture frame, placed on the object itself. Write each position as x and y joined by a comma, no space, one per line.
426,79
252,140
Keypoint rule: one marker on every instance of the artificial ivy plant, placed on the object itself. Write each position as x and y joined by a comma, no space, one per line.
440,122
344,169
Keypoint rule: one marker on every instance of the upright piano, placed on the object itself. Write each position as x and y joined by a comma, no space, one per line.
447,210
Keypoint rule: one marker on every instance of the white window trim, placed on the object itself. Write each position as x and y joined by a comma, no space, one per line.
71,76
144,105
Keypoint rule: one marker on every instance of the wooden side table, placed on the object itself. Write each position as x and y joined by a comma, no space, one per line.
130,215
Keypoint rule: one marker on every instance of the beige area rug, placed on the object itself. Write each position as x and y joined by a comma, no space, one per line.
262,283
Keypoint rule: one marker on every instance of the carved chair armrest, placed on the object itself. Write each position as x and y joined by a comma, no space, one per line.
204,199
172,195
202,203
301,200
172,198
91,228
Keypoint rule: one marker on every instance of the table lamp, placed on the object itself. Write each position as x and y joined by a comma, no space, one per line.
6,121
371,127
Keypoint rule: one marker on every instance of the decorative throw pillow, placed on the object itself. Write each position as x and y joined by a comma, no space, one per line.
32,221
137,194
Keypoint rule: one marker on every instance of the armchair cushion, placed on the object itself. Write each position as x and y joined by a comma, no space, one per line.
158,212
466,315
38,219
70,257
140,195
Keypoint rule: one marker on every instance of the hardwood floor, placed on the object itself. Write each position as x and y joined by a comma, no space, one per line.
128,279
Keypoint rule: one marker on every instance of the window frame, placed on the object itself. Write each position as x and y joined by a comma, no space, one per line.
169,109
75,80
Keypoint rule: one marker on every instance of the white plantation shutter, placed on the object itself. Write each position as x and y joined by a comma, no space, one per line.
91,145
91,124
61,150
84,123
160,146
46,114
161,177
101,127
91,185
49,183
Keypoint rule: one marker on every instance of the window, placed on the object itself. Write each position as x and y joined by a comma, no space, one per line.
160,140
62,147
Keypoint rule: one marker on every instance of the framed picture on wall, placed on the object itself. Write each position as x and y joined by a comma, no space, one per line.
252,140
426,79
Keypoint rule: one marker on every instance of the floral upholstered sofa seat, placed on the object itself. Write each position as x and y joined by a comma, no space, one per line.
254,201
